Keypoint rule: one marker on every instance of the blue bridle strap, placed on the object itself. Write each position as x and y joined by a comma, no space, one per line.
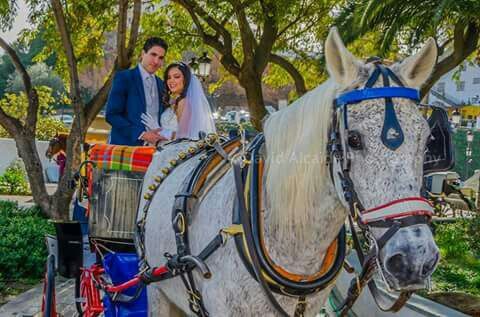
392,134
357,96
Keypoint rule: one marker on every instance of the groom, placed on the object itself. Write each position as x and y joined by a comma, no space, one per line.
136,91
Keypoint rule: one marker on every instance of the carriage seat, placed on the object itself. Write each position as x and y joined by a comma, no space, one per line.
115,183
121,157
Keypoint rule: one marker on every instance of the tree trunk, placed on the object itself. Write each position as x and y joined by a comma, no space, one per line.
253,89
27,151
62,197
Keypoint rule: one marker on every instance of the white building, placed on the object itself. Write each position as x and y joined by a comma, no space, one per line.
455,92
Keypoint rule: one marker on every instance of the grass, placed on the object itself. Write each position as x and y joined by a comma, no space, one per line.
458,275
10,289
456,281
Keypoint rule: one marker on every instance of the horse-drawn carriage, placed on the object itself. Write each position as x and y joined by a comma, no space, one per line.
102,253
287,218
102,256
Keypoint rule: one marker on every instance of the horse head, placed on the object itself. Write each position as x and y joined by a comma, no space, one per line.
54,146
381,135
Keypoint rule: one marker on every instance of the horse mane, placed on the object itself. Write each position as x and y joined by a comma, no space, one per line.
296,151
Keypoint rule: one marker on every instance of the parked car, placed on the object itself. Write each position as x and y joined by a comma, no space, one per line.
65,118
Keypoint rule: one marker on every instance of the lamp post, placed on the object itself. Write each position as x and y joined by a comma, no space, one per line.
201,68
204,65
468,152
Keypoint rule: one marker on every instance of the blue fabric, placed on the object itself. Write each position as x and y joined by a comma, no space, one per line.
79,214
126,103
356,96
121,267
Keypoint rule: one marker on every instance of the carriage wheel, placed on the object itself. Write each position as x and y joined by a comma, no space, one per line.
48,298
87,295
78,297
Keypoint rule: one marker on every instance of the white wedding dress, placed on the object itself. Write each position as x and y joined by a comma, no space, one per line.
196,116
169,120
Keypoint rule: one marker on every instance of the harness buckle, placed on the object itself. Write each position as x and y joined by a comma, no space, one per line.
356,212
233,229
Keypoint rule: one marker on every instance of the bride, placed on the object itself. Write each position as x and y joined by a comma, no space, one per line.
187,110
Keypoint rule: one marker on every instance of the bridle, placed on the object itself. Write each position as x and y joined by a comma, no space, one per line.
392,215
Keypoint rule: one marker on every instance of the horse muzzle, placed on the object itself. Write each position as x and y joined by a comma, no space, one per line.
410,258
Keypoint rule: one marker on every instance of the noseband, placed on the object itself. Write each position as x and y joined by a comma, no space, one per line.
393,215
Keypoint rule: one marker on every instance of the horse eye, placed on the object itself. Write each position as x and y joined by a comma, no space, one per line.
355,140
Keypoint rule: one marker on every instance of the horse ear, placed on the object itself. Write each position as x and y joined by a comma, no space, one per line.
341,64
416,69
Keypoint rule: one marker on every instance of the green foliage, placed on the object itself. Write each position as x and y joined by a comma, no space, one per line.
41,75
303,25
8,10
473,233
405,22
22,243
90,24
14,180
26,50
452,239
459,267
16,105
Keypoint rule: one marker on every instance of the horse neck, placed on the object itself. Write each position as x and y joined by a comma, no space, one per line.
301,251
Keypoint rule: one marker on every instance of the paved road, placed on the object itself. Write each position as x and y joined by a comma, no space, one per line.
29,303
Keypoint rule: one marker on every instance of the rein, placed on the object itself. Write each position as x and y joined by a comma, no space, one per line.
393,215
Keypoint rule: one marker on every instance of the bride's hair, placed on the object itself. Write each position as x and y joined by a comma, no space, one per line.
187,75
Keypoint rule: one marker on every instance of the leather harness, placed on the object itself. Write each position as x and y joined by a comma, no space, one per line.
247,222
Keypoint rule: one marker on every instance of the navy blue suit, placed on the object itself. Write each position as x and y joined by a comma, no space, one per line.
125,105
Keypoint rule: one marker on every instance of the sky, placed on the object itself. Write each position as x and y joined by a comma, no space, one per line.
19,24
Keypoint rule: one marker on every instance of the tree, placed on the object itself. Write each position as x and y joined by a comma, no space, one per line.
26,51
16,105
455,24
40,75
73,30
249,35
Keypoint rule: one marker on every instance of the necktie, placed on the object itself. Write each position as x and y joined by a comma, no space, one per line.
150,94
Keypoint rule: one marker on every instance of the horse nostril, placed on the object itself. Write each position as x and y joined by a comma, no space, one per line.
395,263
429,266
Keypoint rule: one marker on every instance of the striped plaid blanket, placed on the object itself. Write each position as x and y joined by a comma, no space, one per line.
121,157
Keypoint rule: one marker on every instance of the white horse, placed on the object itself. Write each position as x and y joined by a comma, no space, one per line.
303,213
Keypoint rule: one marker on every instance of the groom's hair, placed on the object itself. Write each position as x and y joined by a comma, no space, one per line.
155,41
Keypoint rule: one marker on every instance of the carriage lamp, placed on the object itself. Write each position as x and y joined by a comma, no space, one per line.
456,117
204,63
469,136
